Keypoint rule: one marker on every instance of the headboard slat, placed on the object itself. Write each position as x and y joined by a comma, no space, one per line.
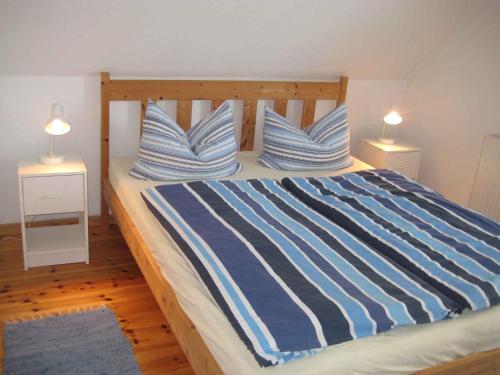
308,113
280,107
216,103
184,109
144,104
248,125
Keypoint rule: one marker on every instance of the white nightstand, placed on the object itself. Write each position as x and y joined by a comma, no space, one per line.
47,190
398,156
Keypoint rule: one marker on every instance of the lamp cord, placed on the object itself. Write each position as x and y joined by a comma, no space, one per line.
5,239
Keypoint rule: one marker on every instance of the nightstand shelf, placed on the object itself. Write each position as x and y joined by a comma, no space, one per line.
55,245
46,190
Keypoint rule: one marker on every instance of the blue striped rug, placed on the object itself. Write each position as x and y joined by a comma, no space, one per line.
80,343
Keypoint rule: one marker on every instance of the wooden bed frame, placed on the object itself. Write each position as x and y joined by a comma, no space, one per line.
250,92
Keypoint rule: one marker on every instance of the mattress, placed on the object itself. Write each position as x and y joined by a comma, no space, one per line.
390,352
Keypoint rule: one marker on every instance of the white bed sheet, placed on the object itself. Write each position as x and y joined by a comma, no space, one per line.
400,351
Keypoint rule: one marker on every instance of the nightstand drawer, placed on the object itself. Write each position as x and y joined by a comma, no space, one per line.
53,194
406,163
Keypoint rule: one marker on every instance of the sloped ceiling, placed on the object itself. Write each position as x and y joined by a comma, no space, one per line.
364,39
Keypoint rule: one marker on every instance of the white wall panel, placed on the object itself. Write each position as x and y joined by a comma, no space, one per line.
485,196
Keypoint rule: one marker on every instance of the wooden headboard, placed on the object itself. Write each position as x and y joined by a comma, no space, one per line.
185,91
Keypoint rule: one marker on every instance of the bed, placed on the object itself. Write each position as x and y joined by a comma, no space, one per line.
185,301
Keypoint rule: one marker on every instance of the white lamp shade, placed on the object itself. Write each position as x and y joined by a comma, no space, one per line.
57,125
393,118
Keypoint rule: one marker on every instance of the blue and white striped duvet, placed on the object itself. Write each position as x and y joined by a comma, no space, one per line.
452,248
290,280
303,263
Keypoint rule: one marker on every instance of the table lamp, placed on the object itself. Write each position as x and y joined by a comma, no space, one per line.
391,120
56,125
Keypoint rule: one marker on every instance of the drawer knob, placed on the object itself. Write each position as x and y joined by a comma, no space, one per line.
53,196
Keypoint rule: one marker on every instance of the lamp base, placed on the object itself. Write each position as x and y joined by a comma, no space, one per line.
386,141
51,159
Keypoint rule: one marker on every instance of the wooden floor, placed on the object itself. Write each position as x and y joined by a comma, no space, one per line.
112,278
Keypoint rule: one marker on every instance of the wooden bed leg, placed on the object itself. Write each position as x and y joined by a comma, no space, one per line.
104,213
105,83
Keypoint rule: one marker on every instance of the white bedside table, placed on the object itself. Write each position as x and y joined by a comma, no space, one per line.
47,190
400,157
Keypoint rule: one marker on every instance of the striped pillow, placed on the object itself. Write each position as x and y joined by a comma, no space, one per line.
322,145
166,152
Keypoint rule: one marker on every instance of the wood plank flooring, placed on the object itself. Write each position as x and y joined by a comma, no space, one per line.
112,278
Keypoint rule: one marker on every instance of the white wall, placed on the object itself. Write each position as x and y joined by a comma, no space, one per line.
25,105
363,39
453,99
